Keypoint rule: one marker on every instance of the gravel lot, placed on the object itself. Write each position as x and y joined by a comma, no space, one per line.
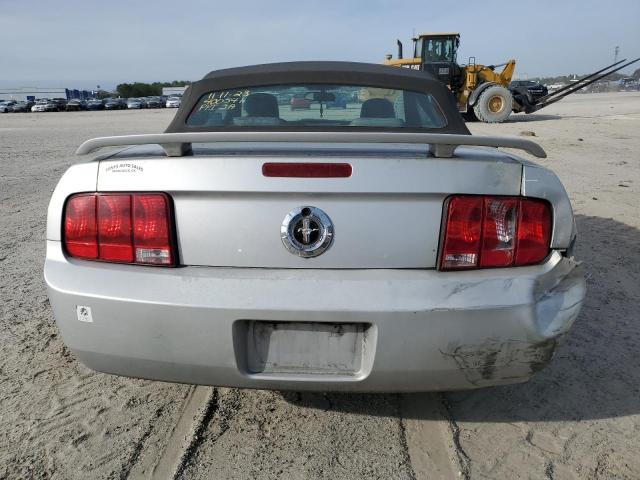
579,418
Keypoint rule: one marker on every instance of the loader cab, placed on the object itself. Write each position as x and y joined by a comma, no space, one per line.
439,56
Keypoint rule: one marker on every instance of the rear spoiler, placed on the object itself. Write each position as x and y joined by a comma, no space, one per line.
440,144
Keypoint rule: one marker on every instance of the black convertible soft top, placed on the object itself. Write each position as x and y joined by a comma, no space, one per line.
331,73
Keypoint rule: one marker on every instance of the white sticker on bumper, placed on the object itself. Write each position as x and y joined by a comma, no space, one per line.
84,313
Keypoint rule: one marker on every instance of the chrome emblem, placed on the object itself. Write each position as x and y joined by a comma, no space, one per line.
306,231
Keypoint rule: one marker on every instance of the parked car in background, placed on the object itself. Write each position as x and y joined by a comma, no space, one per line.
40,105
380,252
7,105
136,103
95,104
154,102
173,102
61,103
115,104
300,102
628,84
52,106
22,107
340,101
535,89
76,105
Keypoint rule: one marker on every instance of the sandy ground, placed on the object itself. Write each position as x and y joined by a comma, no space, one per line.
579,418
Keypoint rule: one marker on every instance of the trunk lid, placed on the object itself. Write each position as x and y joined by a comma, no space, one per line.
386,215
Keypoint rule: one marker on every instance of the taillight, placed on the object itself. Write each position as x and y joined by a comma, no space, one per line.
114,228
463,230
152,232
534,232
492,231
120,227
80,230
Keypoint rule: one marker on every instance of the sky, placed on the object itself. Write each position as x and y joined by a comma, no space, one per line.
82,44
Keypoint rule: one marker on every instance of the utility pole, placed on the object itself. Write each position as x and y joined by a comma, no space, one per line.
615,54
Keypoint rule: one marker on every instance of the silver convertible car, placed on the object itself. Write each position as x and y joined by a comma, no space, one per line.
375,247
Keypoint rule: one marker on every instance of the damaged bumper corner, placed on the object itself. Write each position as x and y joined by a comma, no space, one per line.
558,297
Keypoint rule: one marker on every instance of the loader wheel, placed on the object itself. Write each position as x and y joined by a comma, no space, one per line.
494,105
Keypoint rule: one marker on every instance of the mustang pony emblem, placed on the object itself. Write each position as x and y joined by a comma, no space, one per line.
306,232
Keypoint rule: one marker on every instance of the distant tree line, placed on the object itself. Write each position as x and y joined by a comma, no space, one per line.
139,89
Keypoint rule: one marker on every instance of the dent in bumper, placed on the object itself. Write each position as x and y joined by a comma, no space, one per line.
558,300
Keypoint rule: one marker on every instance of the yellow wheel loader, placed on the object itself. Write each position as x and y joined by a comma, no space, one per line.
481,91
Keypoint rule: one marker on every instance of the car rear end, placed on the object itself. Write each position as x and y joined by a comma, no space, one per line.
537,90
173,102
300,102
410,295
40,106
96,104
74,106
19,107
367,264
154,102
6,107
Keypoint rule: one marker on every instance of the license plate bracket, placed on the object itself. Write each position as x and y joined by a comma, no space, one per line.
302,347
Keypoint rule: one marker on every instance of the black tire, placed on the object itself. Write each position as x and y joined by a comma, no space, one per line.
469,116
494,105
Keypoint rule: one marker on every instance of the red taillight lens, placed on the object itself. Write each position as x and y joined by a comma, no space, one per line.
120,227
151,233
464,226
114,228
80,232
534,232
490,232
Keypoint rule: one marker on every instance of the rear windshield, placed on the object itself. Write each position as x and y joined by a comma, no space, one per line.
317,106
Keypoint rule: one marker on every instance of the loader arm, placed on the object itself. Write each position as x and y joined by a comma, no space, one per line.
525,104
507,73
489,74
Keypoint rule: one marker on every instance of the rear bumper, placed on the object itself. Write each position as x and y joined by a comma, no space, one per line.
428,330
